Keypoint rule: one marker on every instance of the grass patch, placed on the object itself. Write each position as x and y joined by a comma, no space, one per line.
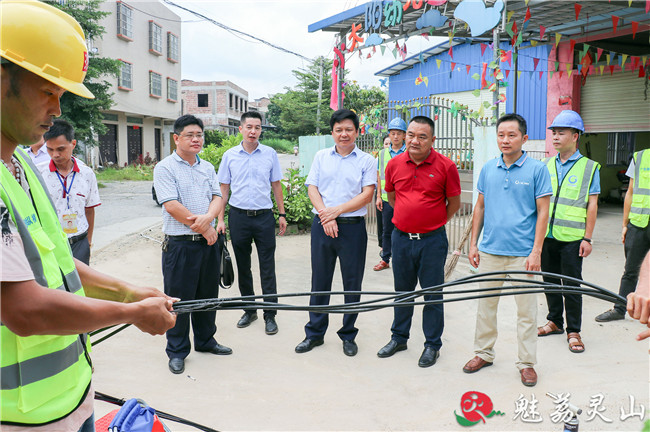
131,172
280,145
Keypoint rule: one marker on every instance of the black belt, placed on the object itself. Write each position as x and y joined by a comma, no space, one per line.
187,237
75,239
251,212
418,236
350,219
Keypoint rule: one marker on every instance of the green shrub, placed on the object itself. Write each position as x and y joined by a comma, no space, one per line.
214,136
280,145
130,172
297,205
213,153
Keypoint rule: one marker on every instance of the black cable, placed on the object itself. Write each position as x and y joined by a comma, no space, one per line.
163,415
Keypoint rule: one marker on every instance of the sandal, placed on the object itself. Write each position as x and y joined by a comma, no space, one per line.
575,342
549,329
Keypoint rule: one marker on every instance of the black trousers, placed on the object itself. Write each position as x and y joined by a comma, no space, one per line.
637,245
350,248
387,216
380,226
81,248
244,230
563,258
190,272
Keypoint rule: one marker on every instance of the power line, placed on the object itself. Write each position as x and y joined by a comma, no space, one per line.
232,30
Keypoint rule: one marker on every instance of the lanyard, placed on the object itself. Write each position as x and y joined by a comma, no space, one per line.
66,193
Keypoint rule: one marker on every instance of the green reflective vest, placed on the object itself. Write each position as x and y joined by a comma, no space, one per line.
640,210
568,209
384,158
42,378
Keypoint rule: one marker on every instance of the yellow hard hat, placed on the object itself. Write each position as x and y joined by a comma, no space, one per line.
46,41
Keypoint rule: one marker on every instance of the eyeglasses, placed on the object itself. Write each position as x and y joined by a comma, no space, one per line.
192,136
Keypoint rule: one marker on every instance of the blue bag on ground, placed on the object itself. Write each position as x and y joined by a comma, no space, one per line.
136,416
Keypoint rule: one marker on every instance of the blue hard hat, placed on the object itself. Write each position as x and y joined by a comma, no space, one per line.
568,119
397,123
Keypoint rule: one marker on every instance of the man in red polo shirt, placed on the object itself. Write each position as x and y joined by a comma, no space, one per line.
424,188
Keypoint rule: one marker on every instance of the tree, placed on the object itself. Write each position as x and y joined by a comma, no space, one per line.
85,114
294,111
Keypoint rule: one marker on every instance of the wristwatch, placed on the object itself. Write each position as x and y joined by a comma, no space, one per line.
588,240
284,215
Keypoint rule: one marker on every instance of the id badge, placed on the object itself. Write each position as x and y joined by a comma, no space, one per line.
69,222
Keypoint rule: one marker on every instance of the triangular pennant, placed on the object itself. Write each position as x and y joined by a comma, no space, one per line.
557,65
608,57
585,48
395,52
560,73
641,72
369,55
542,30
611,69
572,44
577,8
614,22
527,17
635,26
526,2
468,67
514,26
507,73
532,74
438,62
518,74
647,6
509,15
623,60
629,3
579,68
535,63
483,47
451,36
635,62
514,57
509,30
558,36
533,43
520,39
425,36
453,66
599,52
383,49
541,73
602,68
550,74
643,60
569,68
451,52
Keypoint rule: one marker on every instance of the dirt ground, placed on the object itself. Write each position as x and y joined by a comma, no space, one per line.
265,385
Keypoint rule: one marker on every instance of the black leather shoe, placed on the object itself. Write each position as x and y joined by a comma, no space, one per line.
271,326
218,350
610,315
350,348
308,345
176,365
391,348
246,320
428,357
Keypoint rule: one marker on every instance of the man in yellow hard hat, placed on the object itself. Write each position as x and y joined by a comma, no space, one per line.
46,307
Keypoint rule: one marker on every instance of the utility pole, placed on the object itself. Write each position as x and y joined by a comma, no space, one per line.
320,96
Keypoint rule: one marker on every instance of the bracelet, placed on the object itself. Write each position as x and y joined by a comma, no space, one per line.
284,215
588,240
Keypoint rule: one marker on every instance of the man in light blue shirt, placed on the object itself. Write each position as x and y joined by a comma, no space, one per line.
340,184
251,171
512,211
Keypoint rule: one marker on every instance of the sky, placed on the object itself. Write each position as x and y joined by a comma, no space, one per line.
210,53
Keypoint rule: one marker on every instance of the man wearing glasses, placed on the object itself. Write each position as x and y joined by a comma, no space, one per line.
188,190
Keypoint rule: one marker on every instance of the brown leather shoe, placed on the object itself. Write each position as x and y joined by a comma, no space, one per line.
475,365
528,377
381,266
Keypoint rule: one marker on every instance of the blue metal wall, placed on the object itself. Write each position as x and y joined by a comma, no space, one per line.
531,92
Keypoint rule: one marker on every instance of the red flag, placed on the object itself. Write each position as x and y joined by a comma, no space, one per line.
540,74
527,17
514,27
468,68
611,69
635,26
453,66
573,45
507,73
577,8
483,47
535,62
599,52
641,72
451,52
615,22
542,30
647,6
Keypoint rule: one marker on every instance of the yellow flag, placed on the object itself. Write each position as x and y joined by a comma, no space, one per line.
533,43
569,69
438,62
623,60
509,15
518,74
602,68
643,60
557,39
608,58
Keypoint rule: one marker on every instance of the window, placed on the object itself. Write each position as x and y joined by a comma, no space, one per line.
230,95
125,80
155,38
620,146
155,84
172,90
203,100
124,21
172,47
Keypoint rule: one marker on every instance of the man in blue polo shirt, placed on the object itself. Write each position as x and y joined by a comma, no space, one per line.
512,211
340,184
252,170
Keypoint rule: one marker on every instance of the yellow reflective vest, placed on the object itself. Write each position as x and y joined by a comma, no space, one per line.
43,378
568,210
384,158
640,210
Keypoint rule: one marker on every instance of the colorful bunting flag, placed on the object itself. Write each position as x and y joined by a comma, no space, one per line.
611,69
420,79
535,63
572,44
647,6
451,52
644,58
641,72
635,26
518,74
542,30
577,8
602,68
509,16
483,47
599,52
438,62
383,49
507,73
614,22
527,17
623,60
541,73
608,57
468,68
569,68
557,65
533,43
585,48
453,66
558,36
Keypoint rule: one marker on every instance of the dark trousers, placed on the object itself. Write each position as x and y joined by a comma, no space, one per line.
260,229
563,258
637,244
424,261
380,226
350,248
387,217
81,248
190,272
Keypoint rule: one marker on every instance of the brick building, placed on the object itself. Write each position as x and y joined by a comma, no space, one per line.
219,104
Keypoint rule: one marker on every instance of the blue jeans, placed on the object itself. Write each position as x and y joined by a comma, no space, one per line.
424,261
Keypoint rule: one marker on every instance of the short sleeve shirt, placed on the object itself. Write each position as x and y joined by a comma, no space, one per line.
421,191
250,176
510,195
192,186
563,168
341,178
72,195
14,266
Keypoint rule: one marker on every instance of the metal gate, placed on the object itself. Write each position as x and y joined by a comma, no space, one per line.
454,139
157,143
108,145
134,143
